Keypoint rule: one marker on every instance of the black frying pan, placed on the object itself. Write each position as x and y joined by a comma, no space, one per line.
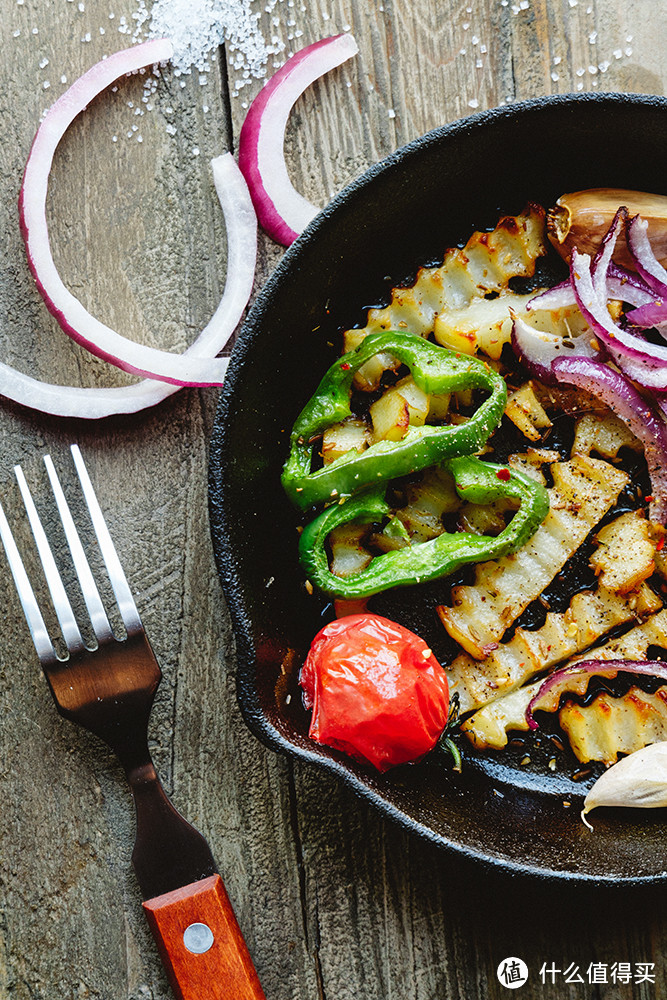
403,213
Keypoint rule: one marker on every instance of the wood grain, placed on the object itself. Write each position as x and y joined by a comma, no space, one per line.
334,902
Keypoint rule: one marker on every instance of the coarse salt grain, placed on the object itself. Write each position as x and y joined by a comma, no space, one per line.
197,28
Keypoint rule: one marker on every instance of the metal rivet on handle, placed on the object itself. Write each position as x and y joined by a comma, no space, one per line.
198,938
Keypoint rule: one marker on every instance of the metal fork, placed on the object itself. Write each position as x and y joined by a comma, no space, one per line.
109,690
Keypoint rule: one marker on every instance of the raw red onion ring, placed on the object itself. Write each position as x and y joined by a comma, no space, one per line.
70,313
564,680
241,226
281,210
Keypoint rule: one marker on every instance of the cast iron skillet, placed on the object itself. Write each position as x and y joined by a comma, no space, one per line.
403,213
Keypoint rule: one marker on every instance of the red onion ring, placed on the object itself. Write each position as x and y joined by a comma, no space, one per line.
650,314
558,683
93,404
281,210
537,350
647,264
618,393
610,280
74,319
558,297
645,363
627,286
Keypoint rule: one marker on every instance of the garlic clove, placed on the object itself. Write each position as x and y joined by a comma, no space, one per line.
638,781
582,218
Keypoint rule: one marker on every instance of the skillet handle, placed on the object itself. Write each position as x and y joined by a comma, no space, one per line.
201,944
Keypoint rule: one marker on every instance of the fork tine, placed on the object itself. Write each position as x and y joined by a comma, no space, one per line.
98,616
61,604
38,630
121,588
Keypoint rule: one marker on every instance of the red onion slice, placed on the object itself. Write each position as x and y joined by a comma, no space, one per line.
610,280
650,314
645,363
93,404
627,286
647,264
75,320
537,350
281,210
558,297
569,680
640,415
604,253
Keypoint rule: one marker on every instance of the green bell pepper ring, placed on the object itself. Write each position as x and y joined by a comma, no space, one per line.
435,370
476,481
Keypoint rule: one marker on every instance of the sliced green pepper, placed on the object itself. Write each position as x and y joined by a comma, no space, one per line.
476,481
435,370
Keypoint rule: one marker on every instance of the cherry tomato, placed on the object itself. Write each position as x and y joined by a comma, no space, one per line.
376,691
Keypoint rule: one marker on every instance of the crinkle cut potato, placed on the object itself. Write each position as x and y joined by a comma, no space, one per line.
468,304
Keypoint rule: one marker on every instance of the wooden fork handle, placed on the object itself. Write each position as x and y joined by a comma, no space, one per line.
201,944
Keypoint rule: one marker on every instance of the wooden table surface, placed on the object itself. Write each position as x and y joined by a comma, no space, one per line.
334,902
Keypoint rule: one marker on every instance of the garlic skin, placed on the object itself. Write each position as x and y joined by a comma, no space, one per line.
582,218
638,781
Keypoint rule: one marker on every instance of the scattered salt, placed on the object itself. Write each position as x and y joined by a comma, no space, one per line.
391,113
46,85
198,27
555,77
474,103
43,62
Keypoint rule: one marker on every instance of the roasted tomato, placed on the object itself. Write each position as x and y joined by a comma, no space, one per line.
376,691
